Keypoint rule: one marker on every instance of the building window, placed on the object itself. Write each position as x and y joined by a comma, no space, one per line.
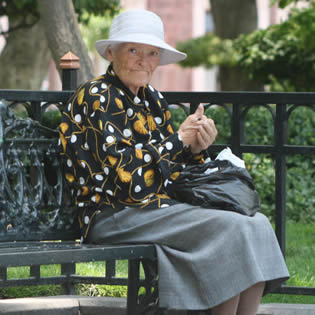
209,25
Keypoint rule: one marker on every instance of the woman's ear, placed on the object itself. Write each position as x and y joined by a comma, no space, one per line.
110,54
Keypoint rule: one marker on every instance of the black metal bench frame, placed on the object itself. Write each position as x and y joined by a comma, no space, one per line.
38,222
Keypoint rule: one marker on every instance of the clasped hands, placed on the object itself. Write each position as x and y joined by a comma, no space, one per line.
198,131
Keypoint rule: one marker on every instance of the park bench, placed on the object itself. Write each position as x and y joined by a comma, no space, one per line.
38,223
37,219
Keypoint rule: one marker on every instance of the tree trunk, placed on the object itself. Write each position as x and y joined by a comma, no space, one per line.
232,18
25,58
63,34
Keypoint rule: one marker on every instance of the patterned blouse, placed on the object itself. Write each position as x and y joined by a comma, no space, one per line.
119,149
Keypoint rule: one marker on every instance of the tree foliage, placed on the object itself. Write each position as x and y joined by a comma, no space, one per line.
19,8
208,50
26,11
52,27
96,28
282,56
285,3
283,53
91,8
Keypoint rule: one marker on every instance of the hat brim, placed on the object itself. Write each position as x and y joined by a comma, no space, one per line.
168,53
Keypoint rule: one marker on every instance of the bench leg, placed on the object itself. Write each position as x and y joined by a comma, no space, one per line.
133,286
147,303
68,270
3,274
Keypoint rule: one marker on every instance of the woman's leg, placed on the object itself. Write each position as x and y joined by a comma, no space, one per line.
250,299
227,307
246,303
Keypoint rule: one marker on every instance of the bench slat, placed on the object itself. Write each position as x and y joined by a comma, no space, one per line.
25,256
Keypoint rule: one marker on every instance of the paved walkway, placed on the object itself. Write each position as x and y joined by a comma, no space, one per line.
79,305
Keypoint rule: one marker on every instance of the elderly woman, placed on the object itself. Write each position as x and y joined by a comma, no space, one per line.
121,155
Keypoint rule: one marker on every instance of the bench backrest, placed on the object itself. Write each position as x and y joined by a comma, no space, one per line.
34,202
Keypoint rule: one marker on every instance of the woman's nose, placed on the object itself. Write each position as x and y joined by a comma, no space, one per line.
142,57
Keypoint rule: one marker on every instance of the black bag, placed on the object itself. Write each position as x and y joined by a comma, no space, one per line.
217,184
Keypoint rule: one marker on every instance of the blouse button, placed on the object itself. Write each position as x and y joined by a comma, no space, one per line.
86,220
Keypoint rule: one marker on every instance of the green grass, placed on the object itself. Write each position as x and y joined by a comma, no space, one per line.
300,254
300,258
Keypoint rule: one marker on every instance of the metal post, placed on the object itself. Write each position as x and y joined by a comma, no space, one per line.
3,274
110,269
69,64
280,180
68,270
133,286
236,130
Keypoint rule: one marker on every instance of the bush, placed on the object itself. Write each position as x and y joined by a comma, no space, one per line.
283,54
51,118
207,50
262,171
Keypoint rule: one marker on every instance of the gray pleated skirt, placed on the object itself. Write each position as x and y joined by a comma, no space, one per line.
205,256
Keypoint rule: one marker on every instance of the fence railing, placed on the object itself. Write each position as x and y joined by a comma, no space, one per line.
237,104
281,106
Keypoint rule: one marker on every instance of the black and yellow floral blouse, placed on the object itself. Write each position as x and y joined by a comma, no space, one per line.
119,149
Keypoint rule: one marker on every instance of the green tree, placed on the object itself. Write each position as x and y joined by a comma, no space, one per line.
282,55
285,3
208,50
231,18
45,29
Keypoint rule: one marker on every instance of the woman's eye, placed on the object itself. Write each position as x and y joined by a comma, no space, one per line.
155,53
133,50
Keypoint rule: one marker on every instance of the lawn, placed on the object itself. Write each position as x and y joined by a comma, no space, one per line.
300,257
300,254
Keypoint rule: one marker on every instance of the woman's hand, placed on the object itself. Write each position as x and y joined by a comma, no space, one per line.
206,134
189,128
198,131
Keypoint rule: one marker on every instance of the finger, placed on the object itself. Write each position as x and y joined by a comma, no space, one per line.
208,133
190,128
202,141
209,126
199,111
188,123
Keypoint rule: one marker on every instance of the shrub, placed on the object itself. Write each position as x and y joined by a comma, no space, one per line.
283,54
51,118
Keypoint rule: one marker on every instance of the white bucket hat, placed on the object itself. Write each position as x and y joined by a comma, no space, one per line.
143,27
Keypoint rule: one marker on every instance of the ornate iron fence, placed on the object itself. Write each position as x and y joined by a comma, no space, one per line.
237,104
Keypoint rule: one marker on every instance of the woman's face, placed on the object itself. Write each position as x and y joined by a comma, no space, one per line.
134,63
